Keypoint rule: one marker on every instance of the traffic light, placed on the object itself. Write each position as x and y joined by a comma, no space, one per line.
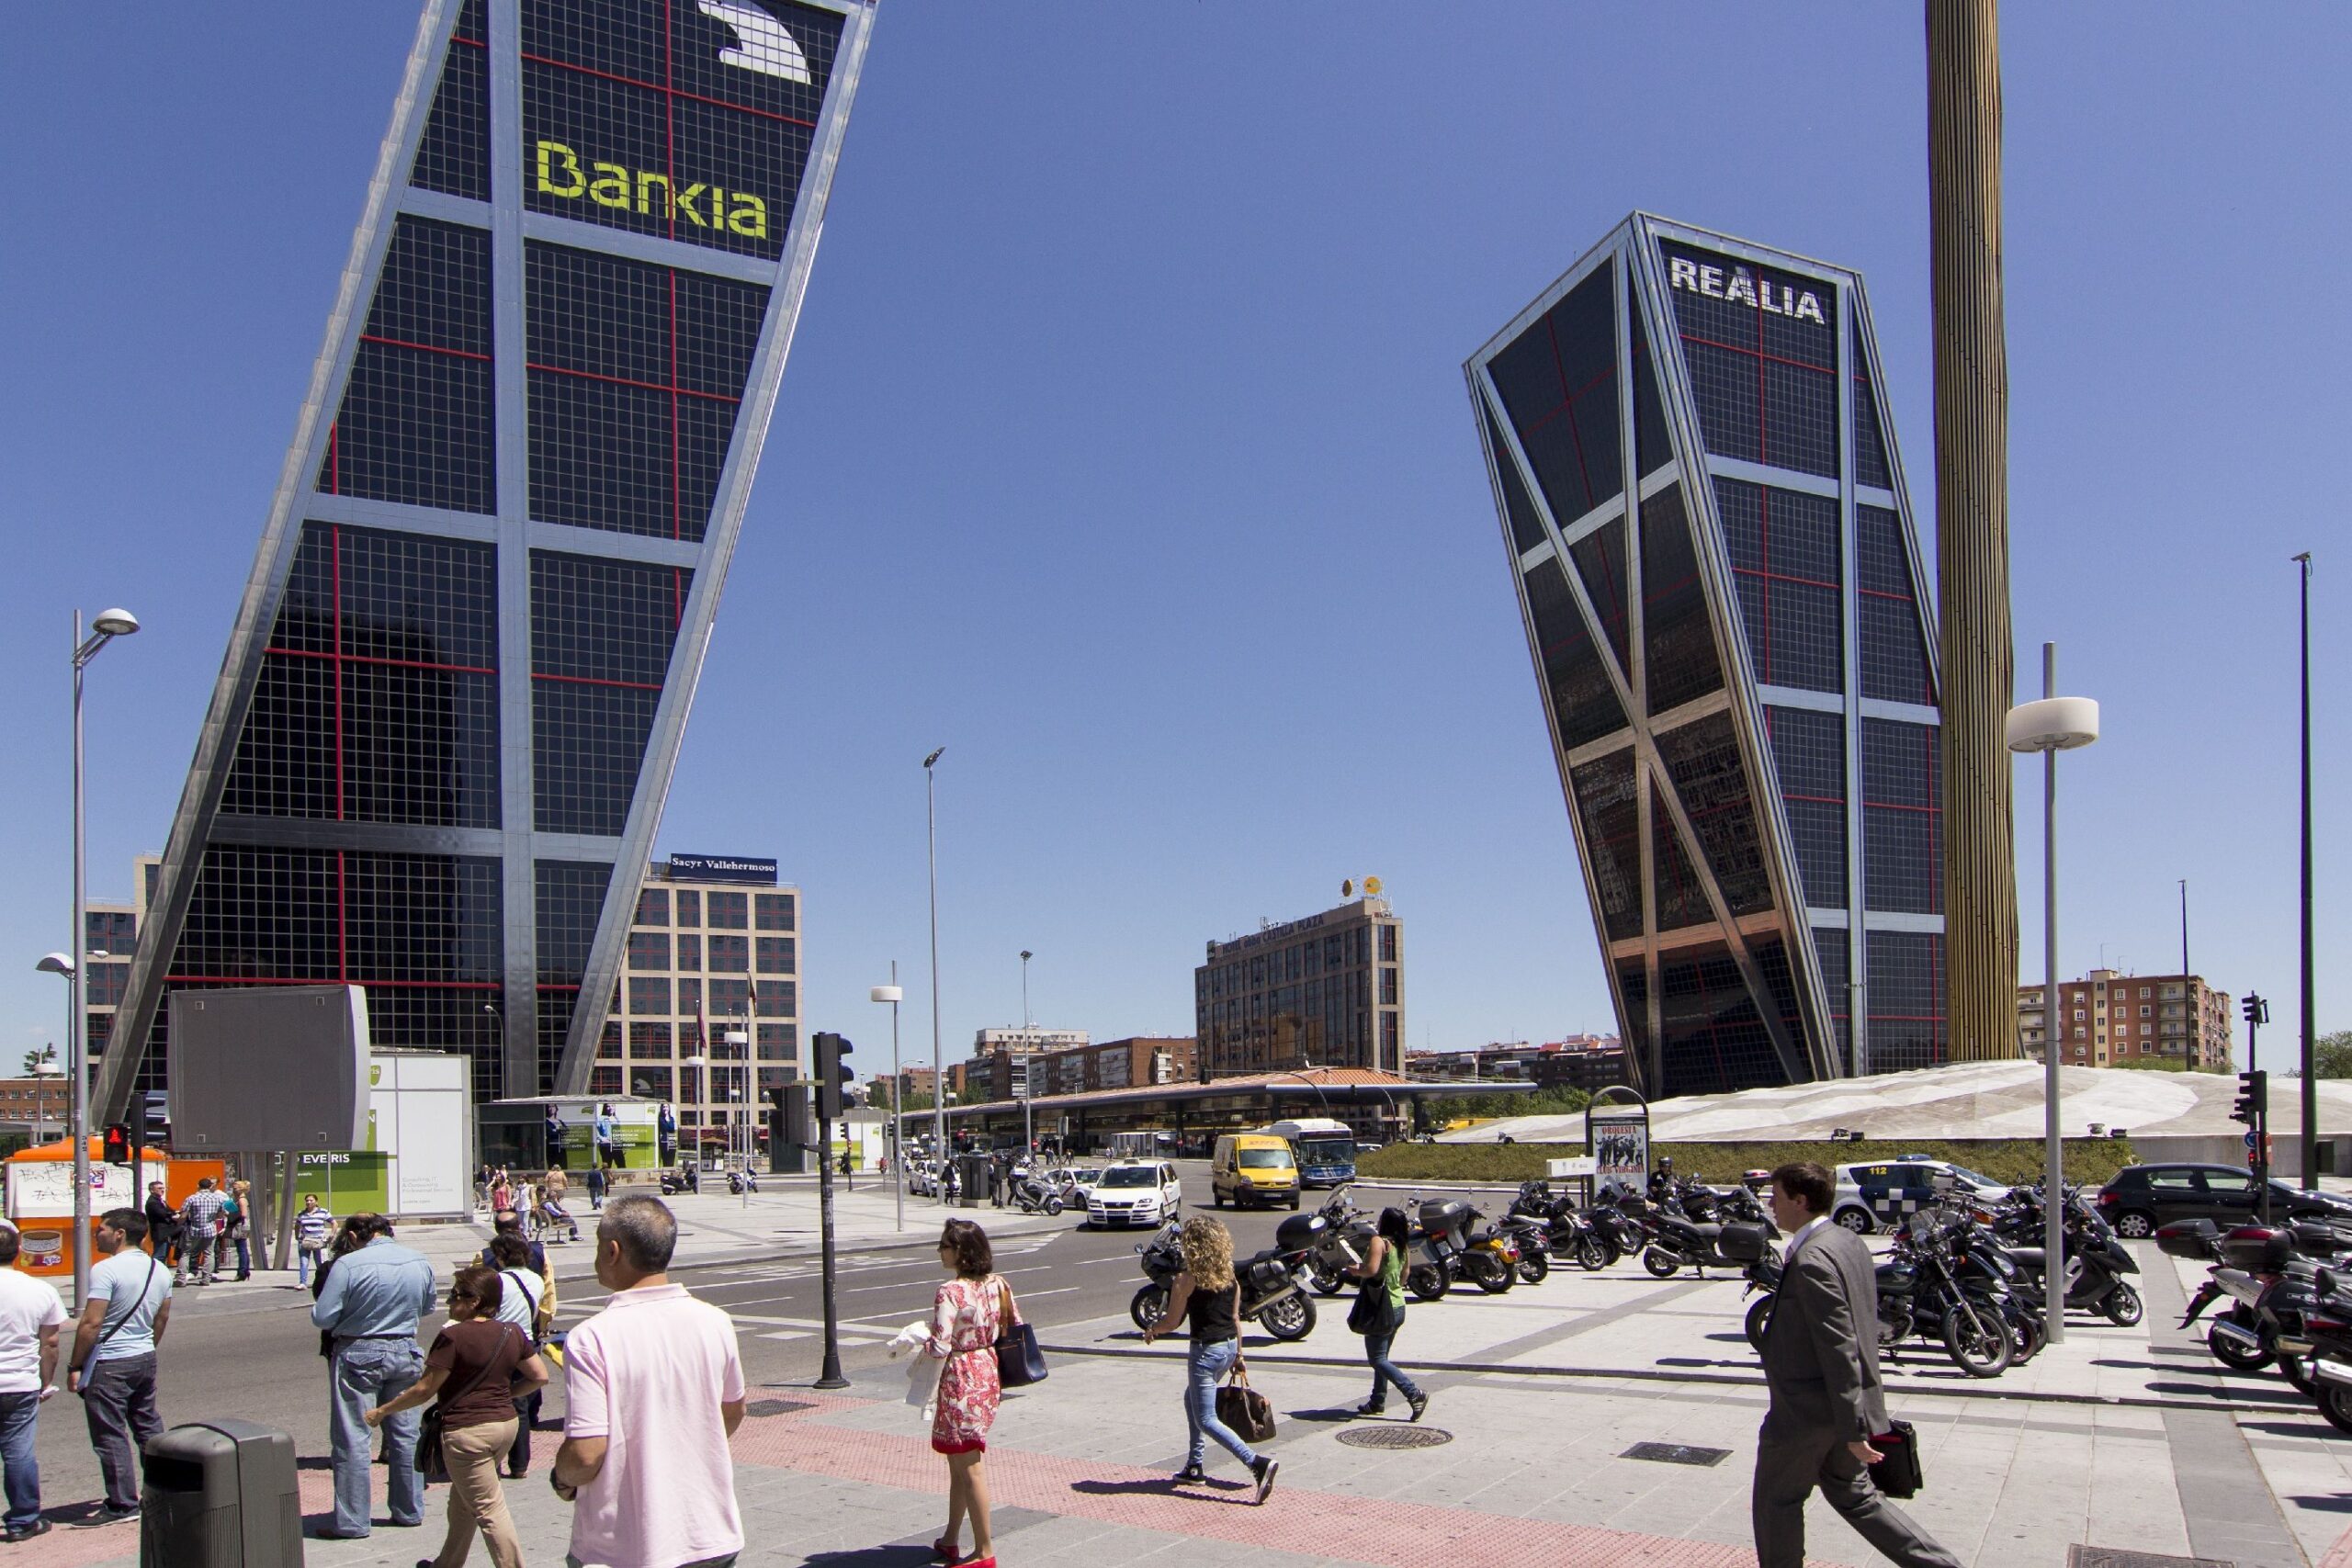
833,1074
156,1118
117,1143
2256,1010
2254,1098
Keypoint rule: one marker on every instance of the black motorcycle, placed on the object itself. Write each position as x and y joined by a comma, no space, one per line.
1927,1288
1336,1237
1676,1243
2094,1260
1271,1294
1568,1233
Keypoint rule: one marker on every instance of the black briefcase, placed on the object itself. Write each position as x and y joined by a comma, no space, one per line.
1898,1473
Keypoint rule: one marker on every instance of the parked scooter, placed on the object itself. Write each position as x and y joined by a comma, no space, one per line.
1271,1293
1450,1250
2094,1260
742,1181
1032,1195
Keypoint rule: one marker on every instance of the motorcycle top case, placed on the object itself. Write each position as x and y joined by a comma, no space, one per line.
2314,1238
1742,1242
2189,1239
2256,1250
1299,1231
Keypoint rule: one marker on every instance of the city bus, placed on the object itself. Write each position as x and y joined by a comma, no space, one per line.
1325,1149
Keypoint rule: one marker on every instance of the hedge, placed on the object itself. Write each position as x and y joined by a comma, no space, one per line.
2010,1160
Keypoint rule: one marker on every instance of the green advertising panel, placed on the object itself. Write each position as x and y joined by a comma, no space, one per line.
345,1183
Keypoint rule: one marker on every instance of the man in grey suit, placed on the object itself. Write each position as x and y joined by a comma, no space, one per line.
1821,1362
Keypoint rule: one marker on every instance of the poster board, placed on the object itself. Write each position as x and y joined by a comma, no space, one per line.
1617,1135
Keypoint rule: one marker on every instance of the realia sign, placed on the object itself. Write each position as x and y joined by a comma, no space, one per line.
1740,288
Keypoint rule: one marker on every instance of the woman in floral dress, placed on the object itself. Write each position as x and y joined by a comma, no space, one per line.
965,1318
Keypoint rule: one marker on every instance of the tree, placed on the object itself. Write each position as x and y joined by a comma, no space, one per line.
2332,1055
39,1061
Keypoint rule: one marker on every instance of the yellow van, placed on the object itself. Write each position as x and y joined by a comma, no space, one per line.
1253,1168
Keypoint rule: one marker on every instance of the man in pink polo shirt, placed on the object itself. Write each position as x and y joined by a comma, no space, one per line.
653,1388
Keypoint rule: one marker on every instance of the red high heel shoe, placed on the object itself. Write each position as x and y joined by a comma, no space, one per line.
987,1562
943,1549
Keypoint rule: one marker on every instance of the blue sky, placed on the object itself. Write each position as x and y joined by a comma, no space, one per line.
1124,452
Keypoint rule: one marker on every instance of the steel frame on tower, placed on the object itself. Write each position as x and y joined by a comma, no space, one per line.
1671,634
431,849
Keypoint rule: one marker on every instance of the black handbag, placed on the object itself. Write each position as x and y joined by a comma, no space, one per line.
1374,1312
1898,1473
1019,1362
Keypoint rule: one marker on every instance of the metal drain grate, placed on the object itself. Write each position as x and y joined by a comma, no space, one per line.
1676,1453
776,1407
2115,1557
1394,1436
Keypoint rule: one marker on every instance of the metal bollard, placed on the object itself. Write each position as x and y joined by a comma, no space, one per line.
220,1495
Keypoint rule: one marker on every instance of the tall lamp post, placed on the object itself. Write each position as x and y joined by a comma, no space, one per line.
2310,1152
108,626
894,994
1028,1083
938,1061
2054,724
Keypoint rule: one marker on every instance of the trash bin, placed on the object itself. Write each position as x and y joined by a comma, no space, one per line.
220,1495
972,1173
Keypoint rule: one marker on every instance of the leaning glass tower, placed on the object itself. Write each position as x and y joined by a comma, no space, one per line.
439,744
1723,591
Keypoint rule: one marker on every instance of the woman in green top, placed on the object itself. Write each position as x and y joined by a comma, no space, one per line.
1383,1273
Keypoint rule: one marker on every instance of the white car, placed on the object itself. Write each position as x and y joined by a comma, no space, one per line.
1135,1192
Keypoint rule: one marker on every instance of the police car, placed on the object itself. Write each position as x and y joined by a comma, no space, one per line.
1875,1194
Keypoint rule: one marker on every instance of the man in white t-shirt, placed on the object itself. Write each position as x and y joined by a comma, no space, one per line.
31,1311
657,1490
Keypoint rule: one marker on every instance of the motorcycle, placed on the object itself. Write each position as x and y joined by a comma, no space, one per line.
2095,1261
1032,1195
673,1183
1271,1294
742,1181
1676,1242
1568,1232
1924,1288
1533,1241
2272,1282
1336,1237
1450,1251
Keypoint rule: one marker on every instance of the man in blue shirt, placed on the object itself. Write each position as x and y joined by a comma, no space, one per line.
370,1306
113,1356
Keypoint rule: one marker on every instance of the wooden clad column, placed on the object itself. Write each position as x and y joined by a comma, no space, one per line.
1973,524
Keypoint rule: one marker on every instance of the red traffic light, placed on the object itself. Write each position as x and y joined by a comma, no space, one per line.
117,1143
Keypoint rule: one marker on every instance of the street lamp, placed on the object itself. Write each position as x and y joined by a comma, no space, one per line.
2309,1155
2054,724
892,994
1028,1082
108,626
938,1061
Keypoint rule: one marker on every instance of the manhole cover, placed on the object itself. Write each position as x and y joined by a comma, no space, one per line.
2112,1557
1676,1453
1394,1436
776,1407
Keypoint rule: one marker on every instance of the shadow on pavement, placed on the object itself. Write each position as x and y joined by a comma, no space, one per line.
895,1555
1244,1492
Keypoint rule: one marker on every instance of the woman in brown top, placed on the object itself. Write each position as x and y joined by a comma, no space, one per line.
476,1369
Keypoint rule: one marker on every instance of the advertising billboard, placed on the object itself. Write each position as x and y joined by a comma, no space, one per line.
723,868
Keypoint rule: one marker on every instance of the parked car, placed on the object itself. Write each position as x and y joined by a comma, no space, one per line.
2143,1197
1135,1192
1875,1194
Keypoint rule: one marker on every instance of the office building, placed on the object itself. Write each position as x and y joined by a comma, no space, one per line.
713,954
460,672
1716,566
1325,991
2110,1019
999,1065
1084,1067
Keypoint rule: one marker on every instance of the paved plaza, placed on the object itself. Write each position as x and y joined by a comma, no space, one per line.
2126,1439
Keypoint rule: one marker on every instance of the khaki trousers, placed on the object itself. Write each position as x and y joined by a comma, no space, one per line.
477,1501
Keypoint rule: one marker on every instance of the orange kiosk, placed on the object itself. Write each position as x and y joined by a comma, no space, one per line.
40,1196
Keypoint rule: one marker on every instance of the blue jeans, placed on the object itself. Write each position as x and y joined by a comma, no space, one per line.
369,1372
1208,1367
1383,1371
18,1412
305,1260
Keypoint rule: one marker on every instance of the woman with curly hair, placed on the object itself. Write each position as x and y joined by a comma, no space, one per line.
1209,1295
965,1316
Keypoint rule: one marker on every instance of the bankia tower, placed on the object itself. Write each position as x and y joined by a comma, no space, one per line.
438,751
1723,592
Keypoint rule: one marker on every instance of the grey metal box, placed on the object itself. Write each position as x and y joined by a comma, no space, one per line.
269,1067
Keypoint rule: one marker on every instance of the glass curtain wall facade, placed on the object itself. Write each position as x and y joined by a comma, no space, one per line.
1723,592
460,672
